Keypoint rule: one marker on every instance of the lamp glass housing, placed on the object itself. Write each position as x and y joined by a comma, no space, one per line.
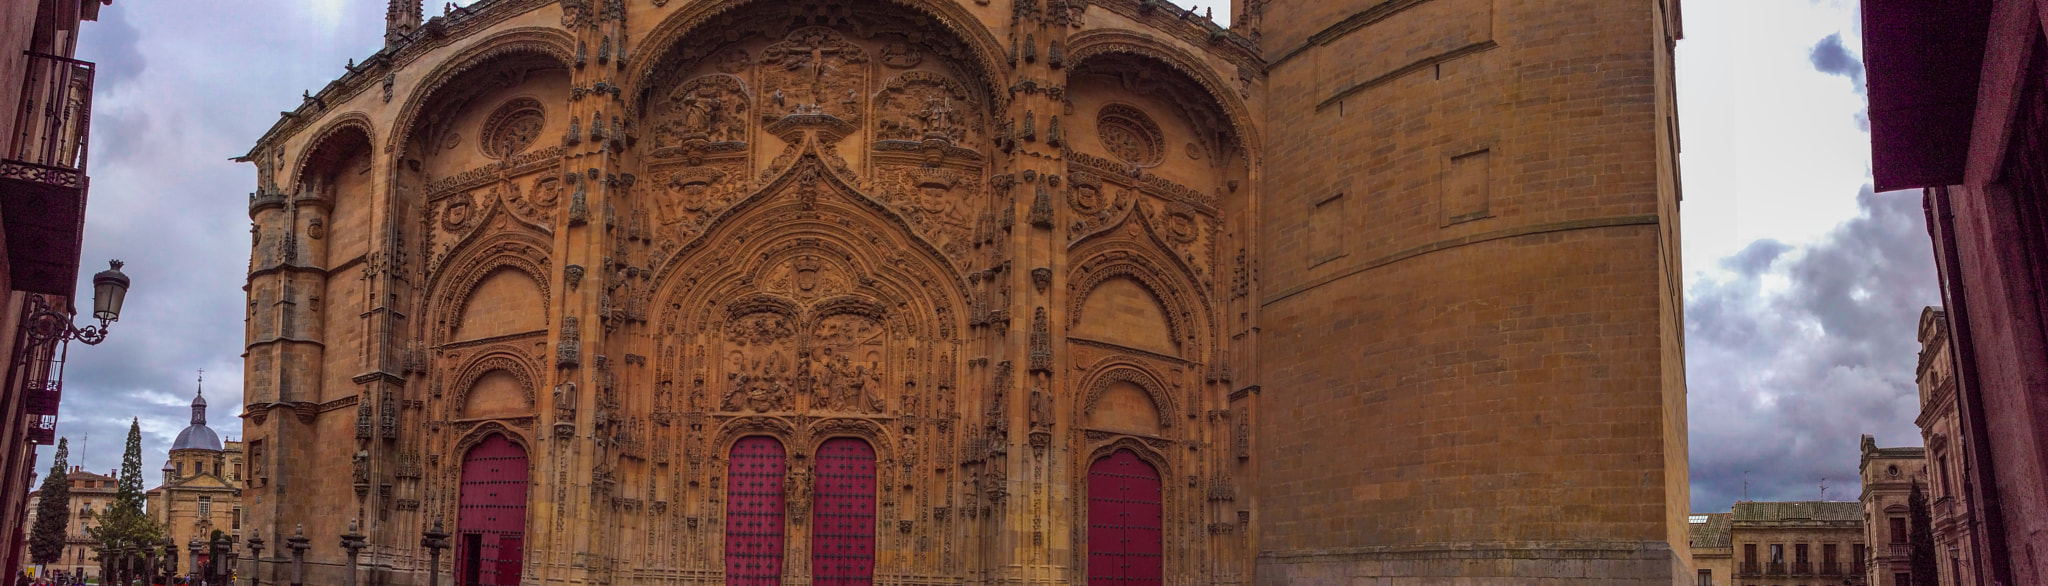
109,290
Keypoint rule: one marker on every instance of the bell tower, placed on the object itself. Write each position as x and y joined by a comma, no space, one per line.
1471,291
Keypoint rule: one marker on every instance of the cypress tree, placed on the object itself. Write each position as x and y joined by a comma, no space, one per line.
53,510
125,522
1921,539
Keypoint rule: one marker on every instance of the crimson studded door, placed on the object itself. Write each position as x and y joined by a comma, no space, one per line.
753,513
491,522
1124,522
843,528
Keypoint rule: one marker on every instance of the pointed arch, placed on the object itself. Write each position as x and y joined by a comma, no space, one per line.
344,132
1179,298
478,257
507,360
543,43
1094,44
1109,373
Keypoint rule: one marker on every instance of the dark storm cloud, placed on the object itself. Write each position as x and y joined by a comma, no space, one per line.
177,98
1796,351
1830,57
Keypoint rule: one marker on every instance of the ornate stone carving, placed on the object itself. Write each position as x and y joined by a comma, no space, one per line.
814,69
1131,136
513,127
712,109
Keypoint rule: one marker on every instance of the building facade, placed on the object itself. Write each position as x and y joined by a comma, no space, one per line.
1941,430
201,491
91,494
1956,95
1796,544
45,107
974,292
1713,549
1888,476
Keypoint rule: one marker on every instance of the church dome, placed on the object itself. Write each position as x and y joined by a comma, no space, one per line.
197,436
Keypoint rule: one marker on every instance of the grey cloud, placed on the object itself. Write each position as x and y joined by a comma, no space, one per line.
1783,381
115,45
1830,57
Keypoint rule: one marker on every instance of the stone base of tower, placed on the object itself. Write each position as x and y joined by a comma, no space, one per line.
1479,564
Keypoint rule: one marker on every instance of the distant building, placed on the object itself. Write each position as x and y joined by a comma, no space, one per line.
202,486
1955,524
91,494
1805,543
1713,549
1888,477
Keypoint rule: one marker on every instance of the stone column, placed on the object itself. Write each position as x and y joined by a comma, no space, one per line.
298,544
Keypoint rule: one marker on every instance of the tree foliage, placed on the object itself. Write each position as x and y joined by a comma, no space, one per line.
53,510
125,522
1921,540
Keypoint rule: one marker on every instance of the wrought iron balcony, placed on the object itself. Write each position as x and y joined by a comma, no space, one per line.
1749,570
1775,568
1802,568
1900,550
43,174
1830,569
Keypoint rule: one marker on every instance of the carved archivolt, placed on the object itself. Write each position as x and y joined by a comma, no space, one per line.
553,44
330,134
476,435
496,358
1129,371
1099,42
1130,135
1102,266
470,268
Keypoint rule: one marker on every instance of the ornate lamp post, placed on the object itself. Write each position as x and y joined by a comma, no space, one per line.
194,546
353,542
45,323
298,544
434,540
256,557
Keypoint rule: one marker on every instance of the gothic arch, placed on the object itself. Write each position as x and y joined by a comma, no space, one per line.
328,136
483,432
865,430
495,359
1185,317
475,259
549,43
739,428
659,44
1096,43
1117,370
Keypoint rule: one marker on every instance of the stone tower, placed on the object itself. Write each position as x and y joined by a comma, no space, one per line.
975,292
1472,346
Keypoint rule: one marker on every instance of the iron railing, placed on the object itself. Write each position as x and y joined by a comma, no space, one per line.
55,119
1775,568
1749,570
1802,568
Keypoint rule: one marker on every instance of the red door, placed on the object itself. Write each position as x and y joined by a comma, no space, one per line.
843,528
491,520
753,513
1124,522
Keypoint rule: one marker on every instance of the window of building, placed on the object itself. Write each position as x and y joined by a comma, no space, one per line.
238,519
1827,558
1902,579
1706,578
205,506
1777,553
1799,553
1898,529
1856,559
1749,552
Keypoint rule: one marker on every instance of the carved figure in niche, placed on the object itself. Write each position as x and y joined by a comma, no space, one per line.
710,108
818,67
362,467
921,105
797,490
1041,408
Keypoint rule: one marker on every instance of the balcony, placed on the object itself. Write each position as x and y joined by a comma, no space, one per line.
1775,568
1899,550
42,174
1802,568
1748,570
1830,569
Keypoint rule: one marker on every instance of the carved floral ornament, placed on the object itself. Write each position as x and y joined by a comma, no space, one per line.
1130,135
513,127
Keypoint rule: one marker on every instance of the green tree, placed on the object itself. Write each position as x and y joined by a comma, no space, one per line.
1921,539
53,510
125,522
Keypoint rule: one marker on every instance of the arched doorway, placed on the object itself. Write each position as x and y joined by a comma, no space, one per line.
1124,522
491,522
843,528
753,513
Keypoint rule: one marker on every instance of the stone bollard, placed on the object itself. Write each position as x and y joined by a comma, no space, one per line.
353,542
256,557
170,558
434,540
192,575
298,544
217,561
148,565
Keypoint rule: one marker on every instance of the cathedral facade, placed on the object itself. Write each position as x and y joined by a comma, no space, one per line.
976,292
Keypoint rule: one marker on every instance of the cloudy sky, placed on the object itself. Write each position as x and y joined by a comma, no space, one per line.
1803,286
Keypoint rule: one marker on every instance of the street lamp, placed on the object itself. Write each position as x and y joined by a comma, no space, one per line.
434,540
109,291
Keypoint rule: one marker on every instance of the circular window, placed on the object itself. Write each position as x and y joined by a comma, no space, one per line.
1892,471
513,127
1129,135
